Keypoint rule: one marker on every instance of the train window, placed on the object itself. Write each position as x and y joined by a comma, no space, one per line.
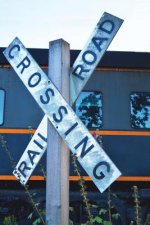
140,110
89,109
2,96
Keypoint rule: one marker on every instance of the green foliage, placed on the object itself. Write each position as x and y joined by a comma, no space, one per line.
107,223
103,217
70,222
137,206
97,219
100,218
83,190
102,211
37,221
9,220
115,216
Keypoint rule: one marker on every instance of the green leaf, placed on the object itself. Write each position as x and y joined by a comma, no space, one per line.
37,221
30,215
107,223
94,206
115,195
115,216
70,222
97,219
102,211
9,220
71,209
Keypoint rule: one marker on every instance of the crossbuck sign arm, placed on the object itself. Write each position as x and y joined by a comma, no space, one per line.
90,155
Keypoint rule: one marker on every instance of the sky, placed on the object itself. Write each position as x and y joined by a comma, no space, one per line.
36,22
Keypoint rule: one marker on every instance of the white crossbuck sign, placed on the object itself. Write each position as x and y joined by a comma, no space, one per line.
90,155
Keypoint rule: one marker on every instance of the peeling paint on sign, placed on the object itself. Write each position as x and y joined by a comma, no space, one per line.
97,41
76,136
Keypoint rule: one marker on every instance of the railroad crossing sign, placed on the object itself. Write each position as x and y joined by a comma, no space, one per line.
90,155
81,71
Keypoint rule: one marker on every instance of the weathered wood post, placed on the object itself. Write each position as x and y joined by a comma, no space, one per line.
57,185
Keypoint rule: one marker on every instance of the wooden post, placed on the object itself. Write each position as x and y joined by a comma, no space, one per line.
57,185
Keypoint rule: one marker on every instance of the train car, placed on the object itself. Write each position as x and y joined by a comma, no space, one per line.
114,106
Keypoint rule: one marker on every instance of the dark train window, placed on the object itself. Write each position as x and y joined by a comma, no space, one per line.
2,96
89,108
140,110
